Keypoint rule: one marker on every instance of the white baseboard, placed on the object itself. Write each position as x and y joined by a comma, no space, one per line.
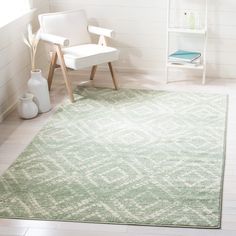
8,111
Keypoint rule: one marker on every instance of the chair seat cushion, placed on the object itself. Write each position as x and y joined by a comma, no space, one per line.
87,55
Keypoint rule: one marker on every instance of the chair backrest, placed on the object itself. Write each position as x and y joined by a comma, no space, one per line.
69,24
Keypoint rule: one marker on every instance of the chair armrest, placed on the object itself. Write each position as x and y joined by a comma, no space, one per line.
51,38
101,31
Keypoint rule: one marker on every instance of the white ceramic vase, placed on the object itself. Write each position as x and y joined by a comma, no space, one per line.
27,109
38,86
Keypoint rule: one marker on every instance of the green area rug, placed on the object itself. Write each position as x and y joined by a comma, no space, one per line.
127,157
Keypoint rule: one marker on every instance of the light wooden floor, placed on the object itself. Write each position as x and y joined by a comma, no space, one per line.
15,135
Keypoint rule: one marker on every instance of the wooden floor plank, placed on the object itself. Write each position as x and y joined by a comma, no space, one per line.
12,231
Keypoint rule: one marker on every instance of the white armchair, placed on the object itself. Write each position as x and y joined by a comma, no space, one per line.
69,33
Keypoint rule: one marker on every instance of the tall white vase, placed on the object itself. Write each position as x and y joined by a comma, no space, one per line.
38,86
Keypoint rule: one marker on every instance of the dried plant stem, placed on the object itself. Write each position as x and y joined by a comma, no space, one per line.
32,42
33,59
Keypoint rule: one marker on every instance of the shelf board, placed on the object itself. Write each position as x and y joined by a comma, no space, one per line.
185,66
187,31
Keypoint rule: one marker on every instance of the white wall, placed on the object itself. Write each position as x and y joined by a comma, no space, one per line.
140,27
14,59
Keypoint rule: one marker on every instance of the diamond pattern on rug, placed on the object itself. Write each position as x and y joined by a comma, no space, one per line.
124,157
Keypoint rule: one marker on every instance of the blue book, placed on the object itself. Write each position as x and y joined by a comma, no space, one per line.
184,56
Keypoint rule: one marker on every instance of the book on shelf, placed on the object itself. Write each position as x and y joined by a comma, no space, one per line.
196,62
182,56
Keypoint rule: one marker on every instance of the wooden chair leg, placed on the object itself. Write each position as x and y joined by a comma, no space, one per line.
113,76
93,72
64,72
52,69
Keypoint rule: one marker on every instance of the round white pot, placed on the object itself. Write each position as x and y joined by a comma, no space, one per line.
27,109
38,86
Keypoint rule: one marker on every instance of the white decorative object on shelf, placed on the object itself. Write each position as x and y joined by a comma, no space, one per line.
190,20
190,25
185,18
38,86
27,109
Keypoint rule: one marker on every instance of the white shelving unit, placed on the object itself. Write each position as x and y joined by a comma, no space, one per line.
202,32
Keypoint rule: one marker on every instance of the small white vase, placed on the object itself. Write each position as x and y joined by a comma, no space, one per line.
27,109
38,86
